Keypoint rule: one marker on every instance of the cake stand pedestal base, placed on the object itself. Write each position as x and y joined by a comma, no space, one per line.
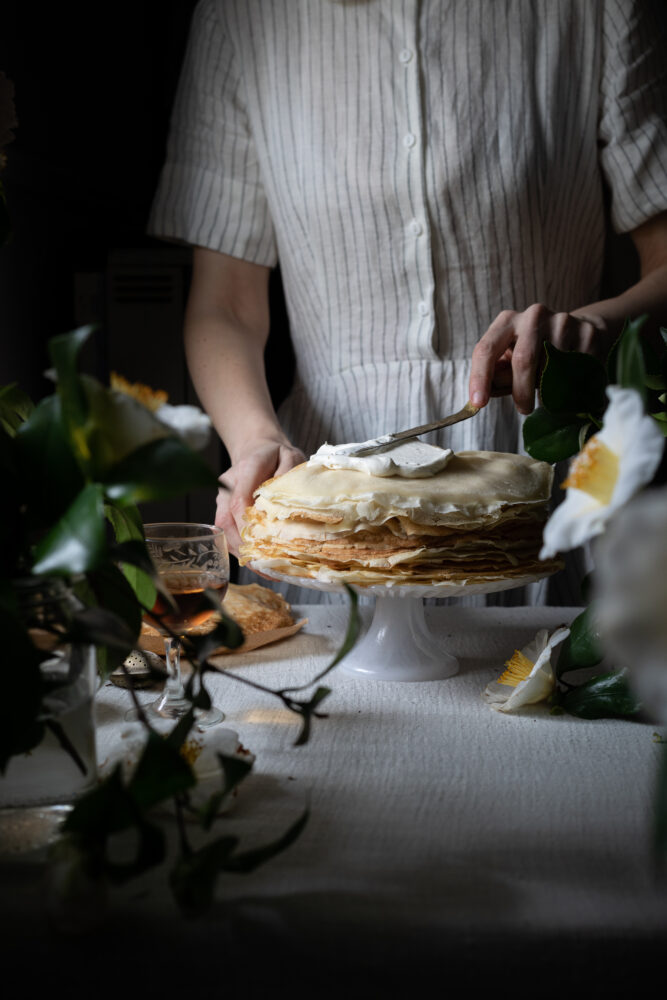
399,646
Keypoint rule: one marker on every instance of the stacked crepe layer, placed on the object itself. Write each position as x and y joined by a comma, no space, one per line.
477,521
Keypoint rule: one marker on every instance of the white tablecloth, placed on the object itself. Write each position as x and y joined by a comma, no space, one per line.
443,837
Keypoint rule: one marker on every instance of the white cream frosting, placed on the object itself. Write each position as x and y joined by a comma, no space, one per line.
411,459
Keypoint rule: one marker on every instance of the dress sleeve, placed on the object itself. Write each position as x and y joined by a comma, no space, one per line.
210,191
633,122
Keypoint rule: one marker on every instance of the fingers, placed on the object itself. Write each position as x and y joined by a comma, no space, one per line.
488,351
288,458
532,327
225,519
510,355
238,485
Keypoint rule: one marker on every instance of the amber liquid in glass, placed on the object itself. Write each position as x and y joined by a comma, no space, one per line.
191,610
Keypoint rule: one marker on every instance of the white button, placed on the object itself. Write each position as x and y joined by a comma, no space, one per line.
405,55
409,140
423,309
416,227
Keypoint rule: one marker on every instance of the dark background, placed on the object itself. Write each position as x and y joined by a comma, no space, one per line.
94,85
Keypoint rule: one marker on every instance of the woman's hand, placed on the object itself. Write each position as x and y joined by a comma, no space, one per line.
510,355
265,459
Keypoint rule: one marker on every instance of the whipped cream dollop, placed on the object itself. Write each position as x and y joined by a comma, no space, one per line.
409,459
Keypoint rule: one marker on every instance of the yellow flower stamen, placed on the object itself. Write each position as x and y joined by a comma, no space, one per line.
190,751
595,471
151,398
518,669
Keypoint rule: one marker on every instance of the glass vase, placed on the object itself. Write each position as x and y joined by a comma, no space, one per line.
38,787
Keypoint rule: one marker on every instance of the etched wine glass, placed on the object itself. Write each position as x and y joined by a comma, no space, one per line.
189,559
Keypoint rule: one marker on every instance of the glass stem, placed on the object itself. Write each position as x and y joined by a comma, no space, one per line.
174,686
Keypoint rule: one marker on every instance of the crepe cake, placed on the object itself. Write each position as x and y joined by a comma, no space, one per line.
477,521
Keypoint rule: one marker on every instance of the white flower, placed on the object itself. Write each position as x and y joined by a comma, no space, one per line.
529,676
189,422
631,596
613,465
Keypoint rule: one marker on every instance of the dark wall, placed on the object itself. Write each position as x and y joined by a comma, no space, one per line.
93,91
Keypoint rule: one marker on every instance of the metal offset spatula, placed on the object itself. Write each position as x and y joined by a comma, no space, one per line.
373,446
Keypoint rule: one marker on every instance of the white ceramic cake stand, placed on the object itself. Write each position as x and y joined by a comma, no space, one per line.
398,645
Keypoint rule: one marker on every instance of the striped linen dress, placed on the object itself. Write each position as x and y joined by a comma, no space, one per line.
416,167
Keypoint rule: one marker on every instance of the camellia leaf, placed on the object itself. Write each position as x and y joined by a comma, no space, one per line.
573,383
64,351
234,771
608,695
583,647
630,367
110,808
15,407
115,622
128,527
106,631
49,473
161,773
158,471
552,437
77,543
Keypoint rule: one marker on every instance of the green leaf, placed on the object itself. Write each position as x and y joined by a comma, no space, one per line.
126,522
552,437
128,527
161,773
234,771
64,351
77,543
105,809
583,647
110,808
307,712
630,367
133,552
608,695
15,407
226,633
108,632
113,592
158,471
49,474
573,383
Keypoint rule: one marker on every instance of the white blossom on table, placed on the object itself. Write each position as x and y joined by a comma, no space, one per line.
611,468
529,676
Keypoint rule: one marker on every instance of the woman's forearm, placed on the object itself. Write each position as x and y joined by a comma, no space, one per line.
649,294
226,328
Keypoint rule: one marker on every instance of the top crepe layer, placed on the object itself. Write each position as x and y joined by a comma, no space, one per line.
475,487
